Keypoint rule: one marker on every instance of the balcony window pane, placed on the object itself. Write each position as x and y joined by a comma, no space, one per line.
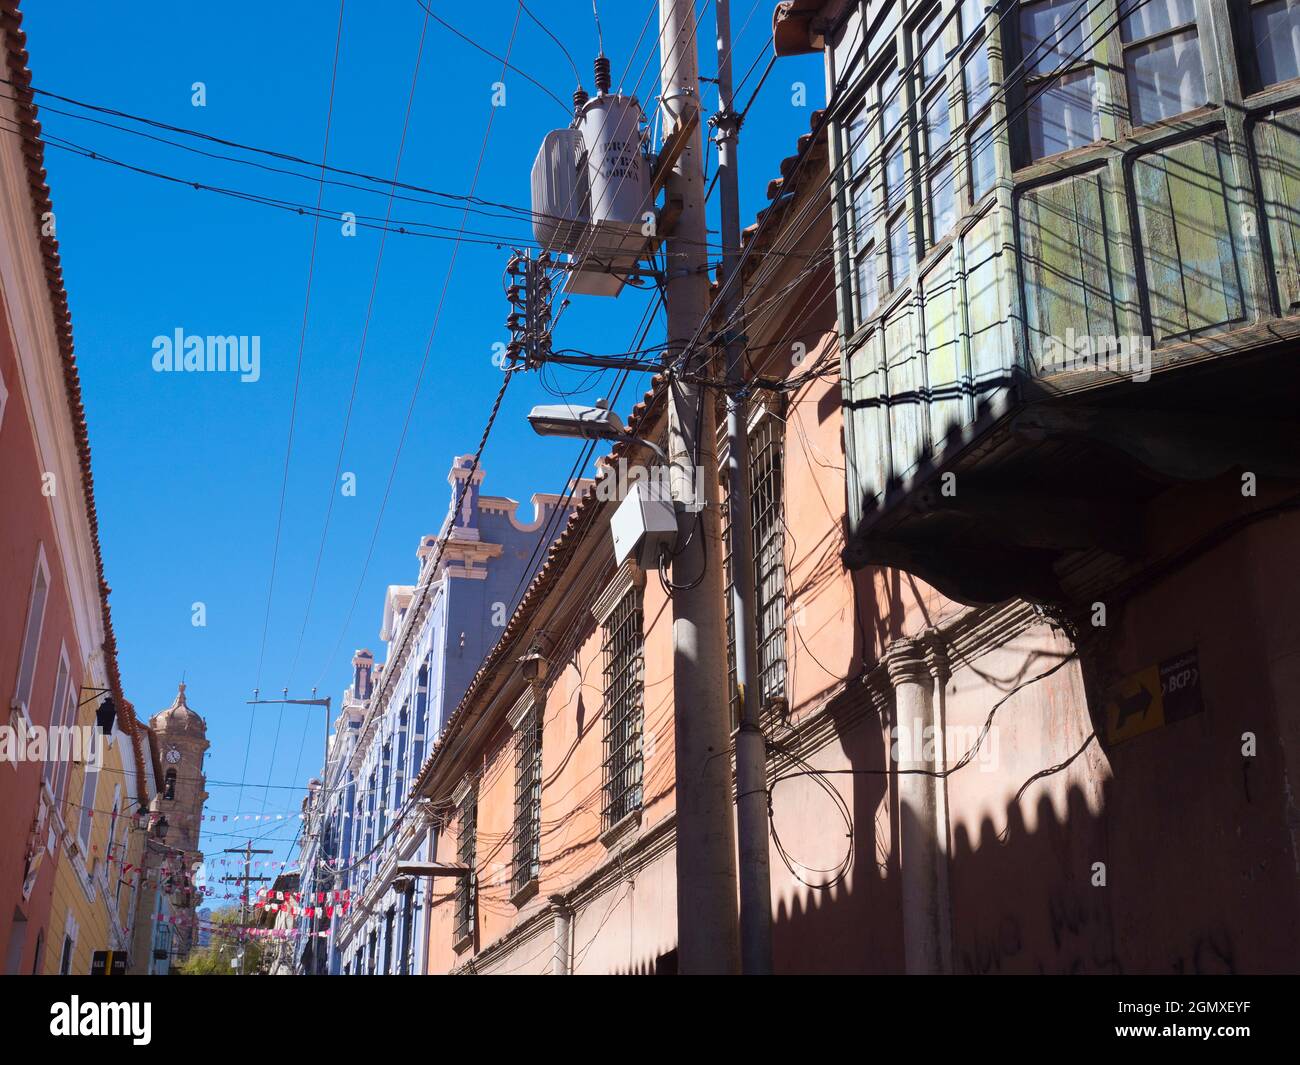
895,174
972,17
891,102
978,84
982,166
1061,114
1144,18
938,123
1165,77
856,146
943,208
929,41
1051,34
900,252
868,289
1277,40
863,211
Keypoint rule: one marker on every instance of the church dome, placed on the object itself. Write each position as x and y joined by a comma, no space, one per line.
179,717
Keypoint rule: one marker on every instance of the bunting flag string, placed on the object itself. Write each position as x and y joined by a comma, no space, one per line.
226,818
294,906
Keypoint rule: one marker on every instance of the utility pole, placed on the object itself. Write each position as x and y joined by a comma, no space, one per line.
246,879
325,764
751,748
707,932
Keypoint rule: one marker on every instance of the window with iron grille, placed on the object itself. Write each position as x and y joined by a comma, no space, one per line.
768,547
728,586
466,845
767,523
528,800
624,683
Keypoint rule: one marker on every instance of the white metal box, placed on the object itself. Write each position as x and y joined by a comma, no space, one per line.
641,525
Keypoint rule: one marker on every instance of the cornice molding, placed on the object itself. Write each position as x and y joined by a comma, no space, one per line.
628,576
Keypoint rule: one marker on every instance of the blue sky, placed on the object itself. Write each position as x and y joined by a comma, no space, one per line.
188,467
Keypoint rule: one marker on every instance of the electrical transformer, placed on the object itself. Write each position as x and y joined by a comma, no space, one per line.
561,197
591,194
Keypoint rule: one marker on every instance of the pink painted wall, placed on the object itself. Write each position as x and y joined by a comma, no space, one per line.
27,523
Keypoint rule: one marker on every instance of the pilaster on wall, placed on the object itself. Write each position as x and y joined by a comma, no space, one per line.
911,666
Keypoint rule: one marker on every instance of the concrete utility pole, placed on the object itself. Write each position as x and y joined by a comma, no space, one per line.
707,933
751,749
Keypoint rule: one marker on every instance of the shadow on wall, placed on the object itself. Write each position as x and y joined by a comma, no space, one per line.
1023,896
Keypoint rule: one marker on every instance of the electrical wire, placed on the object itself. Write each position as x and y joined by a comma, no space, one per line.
558,43
293,406
505,63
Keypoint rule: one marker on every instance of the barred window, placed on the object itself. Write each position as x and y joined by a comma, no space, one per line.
528,800
768,547
466,848
728,583
766,498
624,683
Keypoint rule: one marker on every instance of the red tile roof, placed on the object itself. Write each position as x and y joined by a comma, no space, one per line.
34,156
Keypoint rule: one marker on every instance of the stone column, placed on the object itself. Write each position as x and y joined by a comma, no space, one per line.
563,916
920,849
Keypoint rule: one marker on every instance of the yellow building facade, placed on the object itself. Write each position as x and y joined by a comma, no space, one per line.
99,876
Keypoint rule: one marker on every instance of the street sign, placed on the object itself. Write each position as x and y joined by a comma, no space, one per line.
1154,697
108,963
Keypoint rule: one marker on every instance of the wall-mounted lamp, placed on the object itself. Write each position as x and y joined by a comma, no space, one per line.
106,714
534,665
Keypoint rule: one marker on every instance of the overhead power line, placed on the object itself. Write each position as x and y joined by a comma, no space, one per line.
297,380
506,64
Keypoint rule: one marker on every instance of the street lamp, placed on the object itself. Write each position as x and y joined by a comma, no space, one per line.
585,423
534,664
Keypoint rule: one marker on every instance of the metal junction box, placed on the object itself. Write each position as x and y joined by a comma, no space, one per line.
641,525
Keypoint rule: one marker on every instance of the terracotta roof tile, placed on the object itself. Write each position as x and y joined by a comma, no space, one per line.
33,148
